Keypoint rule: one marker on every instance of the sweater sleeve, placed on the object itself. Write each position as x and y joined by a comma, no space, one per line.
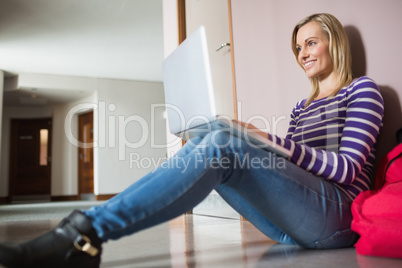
364,112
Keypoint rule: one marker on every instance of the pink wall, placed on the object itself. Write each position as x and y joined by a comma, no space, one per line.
269,81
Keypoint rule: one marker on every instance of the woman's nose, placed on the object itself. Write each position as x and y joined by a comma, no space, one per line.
303,55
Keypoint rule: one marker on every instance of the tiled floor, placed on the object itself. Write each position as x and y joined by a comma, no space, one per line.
191,241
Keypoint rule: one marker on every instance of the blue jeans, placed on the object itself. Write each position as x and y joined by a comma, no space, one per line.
285,202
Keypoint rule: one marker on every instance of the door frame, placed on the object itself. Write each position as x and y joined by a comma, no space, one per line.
80,151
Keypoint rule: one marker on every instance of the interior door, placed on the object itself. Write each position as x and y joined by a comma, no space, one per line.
215,16
86,156
30,160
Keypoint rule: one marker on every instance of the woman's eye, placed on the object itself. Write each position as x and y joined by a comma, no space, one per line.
311,43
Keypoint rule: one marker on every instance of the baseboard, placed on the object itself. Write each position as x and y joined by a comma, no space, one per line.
4,200
102,197
64,198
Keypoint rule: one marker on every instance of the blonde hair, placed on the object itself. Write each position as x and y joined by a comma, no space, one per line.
339,51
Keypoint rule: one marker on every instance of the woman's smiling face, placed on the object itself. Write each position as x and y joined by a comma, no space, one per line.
313,51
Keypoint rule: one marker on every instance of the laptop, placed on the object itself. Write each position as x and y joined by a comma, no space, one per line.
189,95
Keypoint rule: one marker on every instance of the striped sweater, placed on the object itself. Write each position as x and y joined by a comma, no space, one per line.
334,137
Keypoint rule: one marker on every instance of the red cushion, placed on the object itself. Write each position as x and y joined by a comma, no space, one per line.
377,217
386,174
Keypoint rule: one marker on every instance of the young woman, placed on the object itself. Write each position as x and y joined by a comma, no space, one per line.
306,201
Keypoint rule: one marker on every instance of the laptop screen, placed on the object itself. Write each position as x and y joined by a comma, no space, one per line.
188,84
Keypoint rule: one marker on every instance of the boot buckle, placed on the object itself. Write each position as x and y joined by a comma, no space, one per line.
83,243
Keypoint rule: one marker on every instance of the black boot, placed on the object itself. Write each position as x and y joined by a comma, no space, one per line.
73,243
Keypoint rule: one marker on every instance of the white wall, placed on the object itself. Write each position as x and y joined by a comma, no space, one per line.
131,136
120,107
170,26
269,81
64,152
170,42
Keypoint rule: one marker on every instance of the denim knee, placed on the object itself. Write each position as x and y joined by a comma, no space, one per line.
221,139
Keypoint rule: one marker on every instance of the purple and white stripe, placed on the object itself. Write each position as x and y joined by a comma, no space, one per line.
334,137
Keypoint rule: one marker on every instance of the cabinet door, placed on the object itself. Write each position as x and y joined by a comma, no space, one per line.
214,15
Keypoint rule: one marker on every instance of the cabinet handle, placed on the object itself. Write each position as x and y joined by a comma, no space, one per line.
222,46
